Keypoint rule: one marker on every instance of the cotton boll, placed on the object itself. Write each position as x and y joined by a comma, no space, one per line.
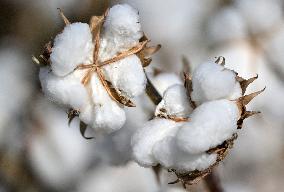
229,20
175,102
170,156
57,152
261,15
211,81
211,124
122,26
71,48
145,138
128,178
108,116
163,81
127,75
64,90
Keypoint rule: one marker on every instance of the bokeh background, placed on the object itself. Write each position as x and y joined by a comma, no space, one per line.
40,152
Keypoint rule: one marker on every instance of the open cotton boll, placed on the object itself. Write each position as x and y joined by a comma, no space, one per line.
127,75
211,124
230,20
122,25
163,81
63,90
175,102
167,153
145,138
211,81
108,116
71,48
261,15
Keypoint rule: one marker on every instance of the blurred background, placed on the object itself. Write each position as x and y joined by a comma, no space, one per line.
40,152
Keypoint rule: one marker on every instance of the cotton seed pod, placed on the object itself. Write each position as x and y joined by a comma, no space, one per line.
211,81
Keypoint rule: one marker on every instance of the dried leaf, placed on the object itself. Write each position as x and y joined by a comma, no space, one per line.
247,98
83,128
245,115
35,60
152,92
66,21
125,54
72,113
245,82
95,25
113,92
149,51
188,87
220,60
186,65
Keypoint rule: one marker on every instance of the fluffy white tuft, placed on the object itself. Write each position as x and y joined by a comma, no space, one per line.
175,102
71,48
211,124
163,81
108,115
127,75
211,81
145,138
122,26
63,90
167,153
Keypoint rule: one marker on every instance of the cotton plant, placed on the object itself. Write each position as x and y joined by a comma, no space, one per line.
196,124
97,69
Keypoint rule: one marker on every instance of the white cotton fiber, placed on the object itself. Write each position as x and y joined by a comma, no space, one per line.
127,75
122,26
211,81
175,102
167,153
66,90
229,20
71,48
211,124
108,115
145,138
163,81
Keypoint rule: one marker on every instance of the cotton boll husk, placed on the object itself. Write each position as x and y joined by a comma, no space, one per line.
71,48
261,15
131,177
108,116
211,124
170,156
122,26
211,81
57,152
230,20
127,75
175,102
66,90
145,138
163,81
